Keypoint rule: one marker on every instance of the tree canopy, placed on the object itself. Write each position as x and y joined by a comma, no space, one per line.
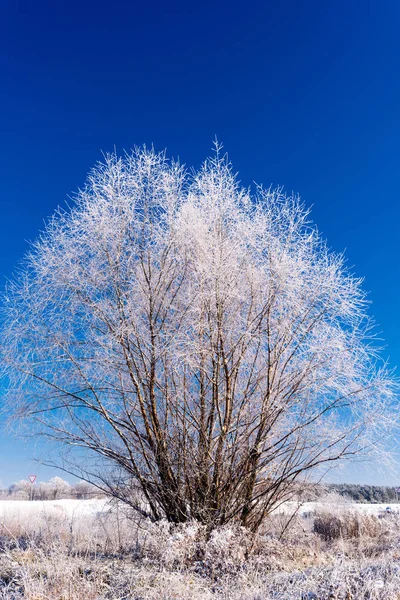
197,336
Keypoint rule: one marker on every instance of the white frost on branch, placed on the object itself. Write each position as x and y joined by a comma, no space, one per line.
197,335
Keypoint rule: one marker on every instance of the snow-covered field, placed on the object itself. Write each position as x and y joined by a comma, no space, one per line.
71,508
311,507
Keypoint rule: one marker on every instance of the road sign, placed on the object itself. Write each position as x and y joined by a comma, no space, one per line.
32,478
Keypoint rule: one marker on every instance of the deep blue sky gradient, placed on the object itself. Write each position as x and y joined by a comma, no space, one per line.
302,94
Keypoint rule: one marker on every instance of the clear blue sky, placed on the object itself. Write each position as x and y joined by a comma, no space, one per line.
303,94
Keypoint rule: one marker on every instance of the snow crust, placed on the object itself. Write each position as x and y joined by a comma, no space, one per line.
15,508
310,507
71,508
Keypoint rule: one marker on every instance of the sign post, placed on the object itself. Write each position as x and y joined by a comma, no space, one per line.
32,479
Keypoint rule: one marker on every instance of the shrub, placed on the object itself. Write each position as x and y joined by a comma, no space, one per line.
345,524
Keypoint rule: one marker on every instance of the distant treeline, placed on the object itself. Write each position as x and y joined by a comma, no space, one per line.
54,489
57,488
375,494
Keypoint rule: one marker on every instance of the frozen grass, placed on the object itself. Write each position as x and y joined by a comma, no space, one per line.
89,550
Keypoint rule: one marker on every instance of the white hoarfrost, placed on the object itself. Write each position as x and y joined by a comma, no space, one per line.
198,338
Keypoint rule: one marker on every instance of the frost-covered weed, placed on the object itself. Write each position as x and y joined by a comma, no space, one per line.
60,558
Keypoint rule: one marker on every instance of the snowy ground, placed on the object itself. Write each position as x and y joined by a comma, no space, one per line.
310,507
70,508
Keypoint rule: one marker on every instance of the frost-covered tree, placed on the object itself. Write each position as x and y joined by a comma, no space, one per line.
42,491
84,490
58,488
198,337
54,489
20,490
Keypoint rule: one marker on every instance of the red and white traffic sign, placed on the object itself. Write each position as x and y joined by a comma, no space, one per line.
32,478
